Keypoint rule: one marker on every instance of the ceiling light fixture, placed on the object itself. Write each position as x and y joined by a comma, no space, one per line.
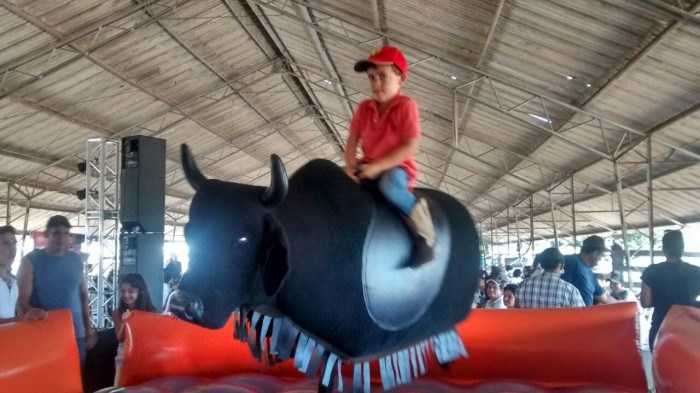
540,118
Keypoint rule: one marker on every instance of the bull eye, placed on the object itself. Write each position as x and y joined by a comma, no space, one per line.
240,241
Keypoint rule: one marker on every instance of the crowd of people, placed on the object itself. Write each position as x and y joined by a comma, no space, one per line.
557,281
52,278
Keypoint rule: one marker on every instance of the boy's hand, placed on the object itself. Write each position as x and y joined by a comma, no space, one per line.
351,173
369,171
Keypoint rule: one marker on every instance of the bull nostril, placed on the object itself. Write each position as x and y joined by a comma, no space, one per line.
186,306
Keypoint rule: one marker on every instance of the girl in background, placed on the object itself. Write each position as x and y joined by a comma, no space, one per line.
509,295
133,295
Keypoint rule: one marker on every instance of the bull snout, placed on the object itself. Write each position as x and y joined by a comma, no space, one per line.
186,306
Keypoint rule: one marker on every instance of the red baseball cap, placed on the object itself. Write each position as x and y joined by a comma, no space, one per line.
384,56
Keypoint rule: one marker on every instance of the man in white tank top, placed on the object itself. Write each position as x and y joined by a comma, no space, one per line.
9,291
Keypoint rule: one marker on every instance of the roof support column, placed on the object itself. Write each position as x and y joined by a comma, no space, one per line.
573,212
482,245
532,228
623,222
517,235
455,118
554,221
26,224
493,244
650,200
508,229
8,206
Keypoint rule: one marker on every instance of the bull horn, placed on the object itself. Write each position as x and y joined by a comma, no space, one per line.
192,173
277,191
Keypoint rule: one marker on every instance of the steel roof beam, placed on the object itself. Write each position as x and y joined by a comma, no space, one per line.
501,110
684,15
69,41
657,128
307,94
604,155
171,109
628,65
211,68
49,48
457,120
325,57
434,52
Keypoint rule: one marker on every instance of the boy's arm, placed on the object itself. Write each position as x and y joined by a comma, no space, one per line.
349,154
404,151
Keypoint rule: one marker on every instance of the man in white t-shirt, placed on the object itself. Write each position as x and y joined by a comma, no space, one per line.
8,283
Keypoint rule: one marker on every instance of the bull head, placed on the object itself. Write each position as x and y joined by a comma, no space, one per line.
232,232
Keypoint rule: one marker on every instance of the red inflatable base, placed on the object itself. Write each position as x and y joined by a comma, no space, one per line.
549,348
40,356
676,363
259,383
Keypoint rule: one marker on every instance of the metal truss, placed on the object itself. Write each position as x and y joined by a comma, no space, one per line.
125,78
318,21
627,139
307,95
153,18
497,85
66,46
210,97
102,226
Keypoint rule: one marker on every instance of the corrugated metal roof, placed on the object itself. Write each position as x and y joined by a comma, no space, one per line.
544,91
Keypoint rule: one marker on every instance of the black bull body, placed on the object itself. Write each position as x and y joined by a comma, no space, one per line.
326,256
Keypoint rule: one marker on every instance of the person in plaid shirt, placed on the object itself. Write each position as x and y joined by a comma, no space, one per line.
548,290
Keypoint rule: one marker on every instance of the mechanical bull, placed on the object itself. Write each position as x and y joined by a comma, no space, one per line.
316,268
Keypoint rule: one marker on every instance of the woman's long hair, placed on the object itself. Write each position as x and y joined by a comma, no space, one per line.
143,301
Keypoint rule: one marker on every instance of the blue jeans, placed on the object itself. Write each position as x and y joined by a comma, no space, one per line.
393,185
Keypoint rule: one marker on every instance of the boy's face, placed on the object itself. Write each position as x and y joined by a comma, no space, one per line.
385,82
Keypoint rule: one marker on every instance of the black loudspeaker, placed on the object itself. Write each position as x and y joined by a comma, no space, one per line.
142,184
143,253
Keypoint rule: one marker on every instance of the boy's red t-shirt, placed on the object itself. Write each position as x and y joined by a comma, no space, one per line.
380,135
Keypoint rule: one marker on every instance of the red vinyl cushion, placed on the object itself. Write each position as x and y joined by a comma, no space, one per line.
551,348
40,356
260,383
676,357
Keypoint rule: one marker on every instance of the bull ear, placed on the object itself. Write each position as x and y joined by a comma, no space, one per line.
192,173
275,263
277,191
